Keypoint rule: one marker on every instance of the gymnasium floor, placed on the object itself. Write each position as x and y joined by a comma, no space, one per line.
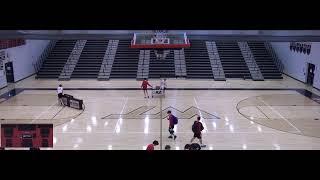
237,114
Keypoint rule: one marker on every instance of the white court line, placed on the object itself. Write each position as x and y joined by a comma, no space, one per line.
179,132
280,115
119,122
43,112
2,100
125,103
204,124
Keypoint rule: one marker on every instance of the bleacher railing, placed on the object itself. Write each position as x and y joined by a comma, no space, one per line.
73,58
250,61
215,61
274,56
247,53
38,64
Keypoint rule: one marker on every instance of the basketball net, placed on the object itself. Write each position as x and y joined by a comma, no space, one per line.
160,37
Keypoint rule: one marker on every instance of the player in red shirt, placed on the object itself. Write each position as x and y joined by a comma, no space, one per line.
144,86
150,147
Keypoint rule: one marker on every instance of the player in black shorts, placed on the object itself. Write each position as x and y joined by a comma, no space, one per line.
60,94
197,127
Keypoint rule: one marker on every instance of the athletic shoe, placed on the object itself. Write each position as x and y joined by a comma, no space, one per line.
202,145
170,137
174,138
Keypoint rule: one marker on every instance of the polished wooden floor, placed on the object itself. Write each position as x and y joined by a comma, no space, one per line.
254,116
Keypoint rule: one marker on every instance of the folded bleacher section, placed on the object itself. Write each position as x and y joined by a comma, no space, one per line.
265,61
54,63
125,64
162,67
232,61
197,61
90,60
126,61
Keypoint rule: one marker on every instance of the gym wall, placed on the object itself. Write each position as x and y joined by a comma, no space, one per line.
296,64
24,56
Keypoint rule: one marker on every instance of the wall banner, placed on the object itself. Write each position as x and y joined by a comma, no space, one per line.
301,47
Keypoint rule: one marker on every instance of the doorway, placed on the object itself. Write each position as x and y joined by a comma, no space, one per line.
9,72
310,74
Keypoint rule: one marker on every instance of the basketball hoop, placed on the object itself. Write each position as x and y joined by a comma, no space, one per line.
160,37
160,40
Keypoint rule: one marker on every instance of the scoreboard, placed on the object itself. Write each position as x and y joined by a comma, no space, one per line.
26,135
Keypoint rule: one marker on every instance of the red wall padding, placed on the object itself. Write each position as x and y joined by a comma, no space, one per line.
4,44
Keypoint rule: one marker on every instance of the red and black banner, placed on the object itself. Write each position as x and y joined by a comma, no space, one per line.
4,44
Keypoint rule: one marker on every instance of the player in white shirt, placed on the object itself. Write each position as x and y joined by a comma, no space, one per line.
60,94
163,84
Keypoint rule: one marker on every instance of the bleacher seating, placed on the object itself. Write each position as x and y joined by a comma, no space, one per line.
233,63
90,60
126,61
265,61
54,63
197,61
162,67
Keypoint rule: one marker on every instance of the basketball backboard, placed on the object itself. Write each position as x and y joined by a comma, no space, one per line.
166,41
